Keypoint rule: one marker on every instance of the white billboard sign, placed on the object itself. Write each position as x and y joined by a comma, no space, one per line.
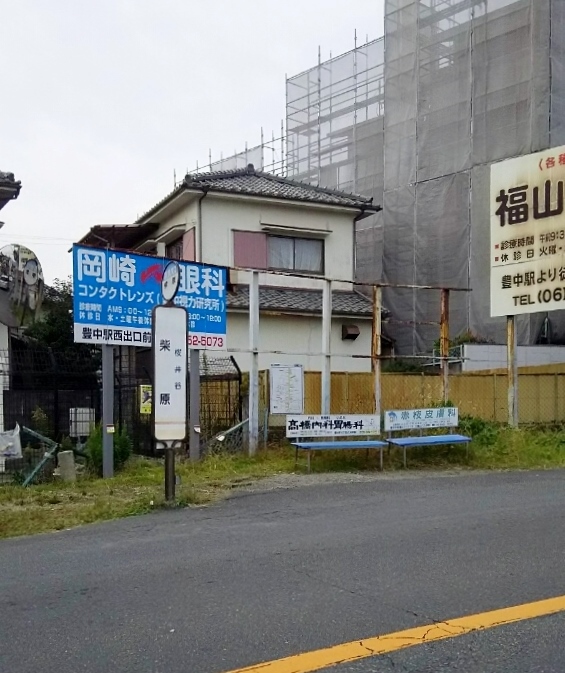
170,373
527,234
287,389
345,425
418,419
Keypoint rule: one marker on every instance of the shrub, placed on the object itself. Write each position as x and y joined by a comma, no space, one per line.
483,432
122,449
66,444
400,366
40,422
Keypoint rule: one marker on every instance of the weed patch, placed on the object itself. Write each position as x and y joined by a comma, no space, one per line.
139,487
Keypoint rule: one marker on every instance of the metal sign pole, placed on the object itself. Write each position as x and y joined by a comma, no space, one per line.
170,477
512,371
107,411
194,401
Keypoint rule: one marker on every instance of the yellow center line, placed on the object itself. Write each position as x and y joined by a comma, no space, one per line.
391,642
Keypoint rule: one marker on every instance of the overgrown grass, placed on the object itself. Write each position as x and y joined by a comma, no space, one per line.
139,487
494,447
500,447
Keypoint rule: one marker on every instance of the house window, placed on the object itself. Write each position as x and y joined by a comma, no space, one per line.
174,250
295,254
257,250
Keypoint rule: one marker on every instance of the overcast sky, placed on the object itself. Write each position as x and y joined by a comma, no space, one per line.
102,99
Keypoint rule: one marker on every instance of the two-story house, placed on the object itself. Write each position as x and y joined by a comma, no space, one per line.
246,219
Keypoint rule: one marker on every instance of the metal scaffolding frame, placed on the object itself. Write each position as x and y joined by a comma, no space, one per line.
269,156
334,112
460,85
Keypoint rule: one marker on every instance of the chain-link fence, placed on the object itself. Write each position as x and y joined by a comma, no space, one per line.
44,395
40,386
220,396
233,440
58,395
33,461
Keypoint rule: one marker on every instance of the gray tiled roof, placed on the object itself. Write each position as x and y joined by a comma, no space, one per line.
248,181
292,300
252,182
8,179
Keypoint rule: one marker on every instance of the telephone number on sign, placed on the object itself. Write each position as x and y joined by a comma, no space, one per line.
205,341
543,297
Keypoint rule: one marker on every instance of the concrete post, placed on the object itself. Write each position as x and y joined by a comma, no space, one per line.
326,346
67,468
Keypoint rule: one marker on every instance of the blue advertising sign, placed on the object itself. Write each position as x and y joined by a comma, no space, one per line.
114,294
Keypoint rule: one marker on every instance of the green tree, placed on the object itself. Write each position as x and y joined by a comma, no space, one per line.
54,328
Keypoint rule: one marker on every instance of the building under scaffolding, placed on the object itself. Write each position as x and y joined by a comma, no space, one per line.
415,119
460,84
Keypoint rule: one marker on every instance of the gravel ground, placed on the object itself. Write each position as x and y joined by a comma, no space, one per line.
296,480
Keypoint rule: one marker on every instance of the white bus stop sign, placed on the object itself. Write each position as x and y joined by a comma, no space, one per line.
170,373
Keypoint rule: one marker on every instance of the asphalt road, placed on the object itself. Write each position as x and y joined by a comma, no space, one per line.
267,575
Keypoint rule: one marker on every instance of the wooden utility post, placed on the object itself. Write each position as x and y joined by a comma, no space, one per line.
444,344
376,348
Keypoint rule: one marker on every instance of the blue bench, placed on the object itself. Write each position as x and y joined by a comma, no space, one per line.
340,428
420,419
429,440
310,447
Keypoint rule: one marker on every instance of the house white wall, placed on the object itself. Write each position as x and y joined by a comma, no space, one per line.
299,334
222,215
486,356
